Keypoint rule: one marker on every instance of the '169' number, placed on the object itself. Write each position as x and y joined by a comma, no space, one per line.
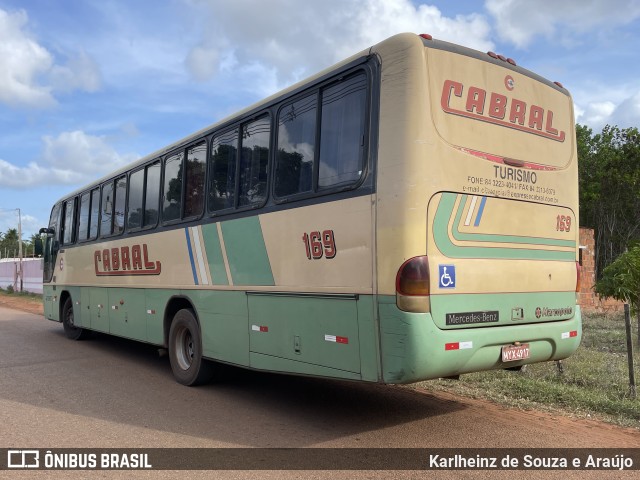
320,245
563,223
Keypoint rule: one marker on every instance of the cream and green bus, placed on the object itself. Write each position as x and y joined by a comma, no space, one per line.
407,214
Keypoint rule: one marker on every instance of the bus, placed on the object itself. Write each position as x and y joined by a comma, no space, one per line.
410,213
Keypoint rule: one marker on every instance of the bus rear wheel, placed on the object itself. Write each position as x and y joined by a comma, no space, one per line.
70,329
185,350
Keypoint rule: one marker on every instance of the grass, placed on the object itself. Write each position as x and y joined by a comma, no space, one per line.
593,383
9,292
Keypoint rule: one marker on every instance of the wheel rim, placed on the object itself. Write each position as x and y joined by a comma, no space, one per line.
184,348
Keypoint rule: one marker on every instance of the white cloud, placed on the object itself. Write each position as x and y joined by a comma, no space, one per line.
22,61
80,73
25,65
595,113
519,21
70,158
627,113
598,103
286,40
9,220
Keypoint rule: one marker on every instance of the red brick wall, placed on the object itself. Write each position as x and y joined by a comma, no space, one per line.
587,298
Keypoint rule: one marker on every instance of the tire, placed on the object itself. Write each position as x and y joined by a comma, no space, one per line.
185,351
70,330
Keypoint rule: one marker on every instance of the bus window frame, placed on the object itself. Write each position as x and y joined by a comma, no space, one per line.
89,216
78,239
318,88
74,223
186,148
237,127
163,160
144,185
145,176
146,166
113,182
91,190
253,118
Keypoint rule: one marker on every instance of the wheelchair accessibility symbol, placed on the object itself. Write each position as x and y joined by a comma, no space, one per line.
447,276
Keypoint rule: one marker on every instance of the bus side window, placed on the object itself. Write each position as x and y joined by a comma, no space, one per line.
254,158
83,223
118,215
342,132
194,180
172,200
296,147
55,220
136,192
107,209
152,195
68,224
222,171
95,213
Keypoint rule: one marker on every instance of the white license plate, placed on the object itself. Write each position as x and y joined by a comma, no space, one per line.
513,353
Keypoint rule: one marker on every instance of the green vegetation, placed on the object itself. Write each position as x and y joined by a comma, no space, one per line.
609,174
9,291
593,383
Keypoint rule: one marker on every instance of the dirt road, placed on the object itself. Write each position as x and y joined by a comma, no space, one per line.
111,392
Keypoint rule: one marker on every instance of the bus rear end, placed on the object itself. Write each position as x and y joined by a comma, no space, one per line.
486,231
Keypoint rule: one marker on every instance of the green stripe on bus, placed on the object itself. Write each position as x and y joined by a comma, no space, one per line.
488,237
448,248
246,252
214,254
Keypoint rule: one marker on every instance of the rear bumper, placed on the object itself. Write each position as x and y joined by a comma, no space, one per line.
413,348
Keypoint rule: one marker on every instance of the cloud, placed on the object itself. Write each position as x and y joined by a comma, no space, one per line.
9,220
70,158
29,75
520,21
246,35
627,113
596,114
22,61
80,73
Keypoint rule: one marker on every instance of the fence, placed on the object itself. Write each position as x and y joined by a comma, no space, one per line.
31,274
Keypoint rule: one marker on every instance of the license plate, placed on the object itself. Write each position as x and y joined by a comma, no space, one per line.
513,353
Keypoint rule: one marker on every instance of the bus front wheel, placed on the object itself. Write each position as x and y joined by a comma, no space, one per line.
185,350
70,329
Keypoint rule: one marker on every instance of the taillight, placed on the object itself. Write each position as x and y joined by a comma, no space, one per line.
413,277
578,276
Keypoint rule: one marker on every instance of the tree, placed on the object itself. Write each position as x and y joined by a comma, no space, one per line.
621,280
9,242
609,173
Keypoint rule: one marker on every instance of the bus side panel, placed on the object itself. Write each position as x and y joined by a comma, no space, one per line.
369,339
322,256
51,308
99,309
312,330
414,349
223,322
83,314
126,313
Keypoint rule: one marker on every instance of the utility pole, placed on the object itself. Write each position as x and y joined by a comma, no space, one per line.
20,246
19,273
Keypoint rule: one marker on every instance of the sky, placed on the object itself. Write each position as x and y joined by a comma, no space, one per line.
88,86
